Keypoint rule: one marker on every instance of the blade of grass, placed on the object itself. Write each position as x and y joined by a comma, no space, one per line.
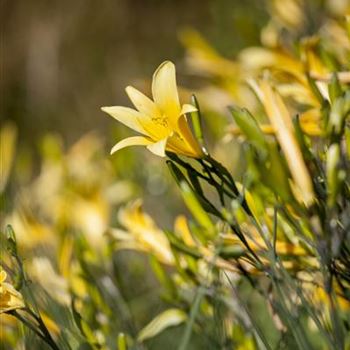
192,317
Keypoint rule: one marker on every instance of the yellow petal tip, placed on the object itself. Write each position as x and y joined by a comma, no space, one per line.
105,109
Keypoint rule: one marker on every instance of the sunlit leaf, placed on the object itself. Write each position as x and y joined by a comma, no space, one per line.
168,318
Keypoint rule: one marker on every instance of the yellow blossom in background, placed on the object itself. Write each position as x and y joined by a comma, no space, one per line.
162,122
142,233
74,189
289,13
231,75
204,59
56,286
10,298
91,217
7,324
30,232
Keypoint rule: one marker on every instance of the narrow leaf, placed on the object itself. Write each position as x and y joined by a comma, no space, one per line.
166,319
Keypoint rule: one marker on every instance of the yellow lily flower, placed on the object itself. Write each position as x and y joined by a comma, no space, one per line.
162,122
10,298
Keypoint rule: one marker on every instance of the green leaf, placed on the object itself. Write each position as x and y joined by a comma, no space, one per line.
334,88
249,127
347,140
122,345
335,176
231,252
82,325
166,319
181,247
192,317
163,276
193,177
11,240
195,202
195,207
272,171
339,111
197,121
315,89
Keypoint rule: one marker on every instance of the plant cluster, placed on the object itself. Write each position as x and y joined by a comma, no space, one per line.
263,262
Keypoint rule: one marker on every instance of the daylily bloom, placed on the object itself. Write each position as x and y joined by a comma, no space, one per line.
10,298
162,122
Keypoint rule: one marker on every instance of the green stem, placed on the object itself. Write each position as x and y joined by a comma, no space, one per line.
227,178
193,313
258,330
29,325
43,328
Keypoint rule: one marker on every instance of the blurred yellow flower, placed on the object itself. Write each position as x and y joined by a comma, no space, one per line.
289,13
162,121
30,232
10,298
74,190
91,217
142,233
56,286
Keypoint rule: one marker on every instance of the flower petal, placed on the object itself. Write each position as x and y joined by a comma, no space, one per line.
186,133
187,108
158,148
131,141
127,116
144,104
164,91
